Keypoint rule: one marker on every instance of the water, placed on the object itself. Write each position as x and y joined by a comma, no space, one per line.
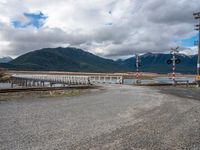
169,80
5,85
162,80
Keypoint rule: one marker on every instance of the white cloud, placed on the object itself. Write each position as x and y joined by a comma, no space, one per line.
110,28
190,51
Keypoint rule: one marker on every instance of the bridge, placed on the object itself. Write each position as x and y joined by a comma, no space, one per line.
42,80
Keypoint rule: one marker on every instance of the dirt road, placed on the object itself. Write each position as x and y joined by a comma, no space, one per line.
114,117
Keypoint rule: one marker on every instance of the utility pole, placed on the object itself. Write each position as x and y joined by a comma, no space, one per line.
137,64
174,61
197,17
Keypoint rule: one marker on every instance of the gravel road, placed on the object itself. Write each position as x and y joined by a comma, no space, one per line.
113,117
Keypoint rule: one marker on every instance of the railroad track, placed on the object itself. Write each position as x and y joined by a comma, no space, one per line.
45,89
164,84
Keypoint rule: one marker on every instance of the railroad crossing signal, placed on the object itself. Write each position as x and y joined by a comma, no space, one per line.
137,64
174,61
170,61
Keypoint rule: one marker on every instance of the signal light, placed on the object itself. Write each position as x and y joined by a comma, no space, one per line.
169,61
178,61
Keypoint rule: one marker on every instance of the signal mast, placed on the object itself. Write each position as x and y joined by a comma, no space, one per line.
137,64
174,61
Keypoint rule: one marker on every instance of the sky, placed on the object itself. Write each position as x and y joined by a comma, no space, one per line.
108,28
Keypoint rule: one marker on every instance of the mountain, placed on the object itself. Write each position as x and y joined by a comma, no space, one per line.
157,63
5,59
63,59
77,60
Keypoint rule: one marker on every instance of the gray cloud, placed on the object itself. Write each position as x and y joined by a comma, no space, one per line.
108,28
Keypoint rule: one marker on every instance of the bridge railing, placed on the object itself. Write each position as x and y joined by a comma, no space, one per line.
107,79
70,79
59,79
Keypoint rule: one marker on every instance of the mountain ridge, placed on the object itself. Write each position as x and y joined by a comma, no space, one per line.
5,59
63,59
77,60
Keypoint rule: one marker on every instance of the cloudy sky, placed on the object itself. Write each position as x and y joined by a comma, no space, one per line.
109,28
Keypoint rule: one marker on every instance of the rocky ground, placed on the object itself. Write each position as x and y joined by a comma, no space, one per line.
112,117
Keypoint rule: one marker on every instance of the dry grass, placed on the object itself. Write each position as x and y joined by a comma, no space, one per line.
41,94
4,75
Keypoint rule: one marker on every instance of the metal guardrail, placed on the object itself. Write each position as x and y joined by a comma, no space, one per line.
106,79
56,79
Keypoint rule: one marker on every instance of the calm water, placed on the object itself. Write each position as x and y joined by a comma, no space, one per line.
5,85
159,80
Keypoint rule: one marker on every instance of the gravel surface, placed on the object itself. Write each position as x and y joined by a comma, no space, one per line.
114,117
